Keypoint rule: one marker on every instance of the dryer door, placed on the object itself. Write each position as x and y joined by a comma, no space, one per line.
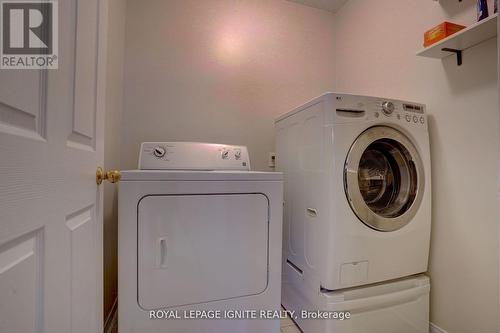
201,248
384,178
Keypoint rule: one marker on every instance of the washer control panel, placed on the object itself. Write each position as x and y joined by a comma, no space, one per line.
406,112
192,156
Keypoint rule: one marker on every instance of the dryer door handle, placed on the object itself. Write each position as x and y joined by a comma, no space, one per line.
161,260
312,212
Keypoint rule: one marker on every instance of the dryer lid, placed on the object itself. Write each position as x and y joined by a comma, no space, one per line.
384,178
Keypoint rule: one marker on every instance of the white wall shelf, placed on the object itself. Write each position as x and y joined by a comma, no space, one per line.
462,40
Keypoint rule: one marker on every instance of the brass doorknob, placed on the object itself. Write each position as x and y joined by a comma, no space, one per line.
112,176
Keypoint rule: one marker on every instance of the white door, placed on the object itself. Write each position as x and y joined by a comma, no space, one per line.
201,248
51,141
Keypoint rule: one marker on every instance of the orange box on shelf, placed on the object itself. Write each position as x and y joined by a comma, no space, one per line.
440,32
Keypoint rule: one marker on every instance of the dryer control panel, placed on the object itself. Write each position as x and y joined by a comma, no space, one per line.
192,156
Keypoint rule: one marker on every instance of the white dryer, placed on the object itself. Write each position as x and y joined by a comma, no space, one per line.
199,239
357,190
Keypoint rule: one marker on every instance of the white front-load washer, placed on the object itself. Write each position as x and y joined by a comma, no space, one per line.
357,190
199,241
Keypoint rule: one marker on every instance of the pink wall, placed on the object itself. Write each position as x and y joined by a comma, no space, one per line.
221,70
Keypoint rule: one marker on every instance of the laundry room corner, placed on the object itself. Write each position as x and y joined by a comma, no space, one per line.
379,58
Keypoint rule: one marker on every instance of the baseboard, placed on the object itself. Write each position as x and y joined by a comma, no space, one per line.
112,318
435,329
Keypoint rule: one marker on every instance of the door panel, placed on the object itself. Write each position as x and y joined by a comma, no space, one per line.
23,102
20,283
201,248
83,126
83,271
51,141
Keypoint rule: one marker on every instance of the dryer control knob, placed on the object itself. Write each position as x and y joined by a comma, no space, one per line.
237,154
387,108
159,152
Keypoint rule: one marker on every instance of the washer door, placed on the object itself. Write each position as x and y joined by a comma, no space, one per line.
384,178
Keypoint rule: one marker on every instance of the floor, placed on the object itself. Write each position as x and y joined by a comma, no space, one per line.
288,326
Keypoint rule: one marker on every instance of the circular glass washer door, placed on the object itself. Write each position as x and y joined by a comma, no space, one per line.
384,178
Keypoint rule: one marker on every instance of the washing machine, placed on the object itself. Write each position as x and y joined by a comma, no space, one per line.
357,189
199,246
357,209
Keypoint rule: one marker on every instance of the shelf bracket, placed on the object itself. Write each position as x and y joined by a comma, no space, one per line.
457,52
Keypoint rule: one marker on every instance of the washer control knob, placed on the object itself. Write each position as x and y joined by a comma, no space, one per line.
415,119
408,118
159,152
422,120
388,108
225,154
